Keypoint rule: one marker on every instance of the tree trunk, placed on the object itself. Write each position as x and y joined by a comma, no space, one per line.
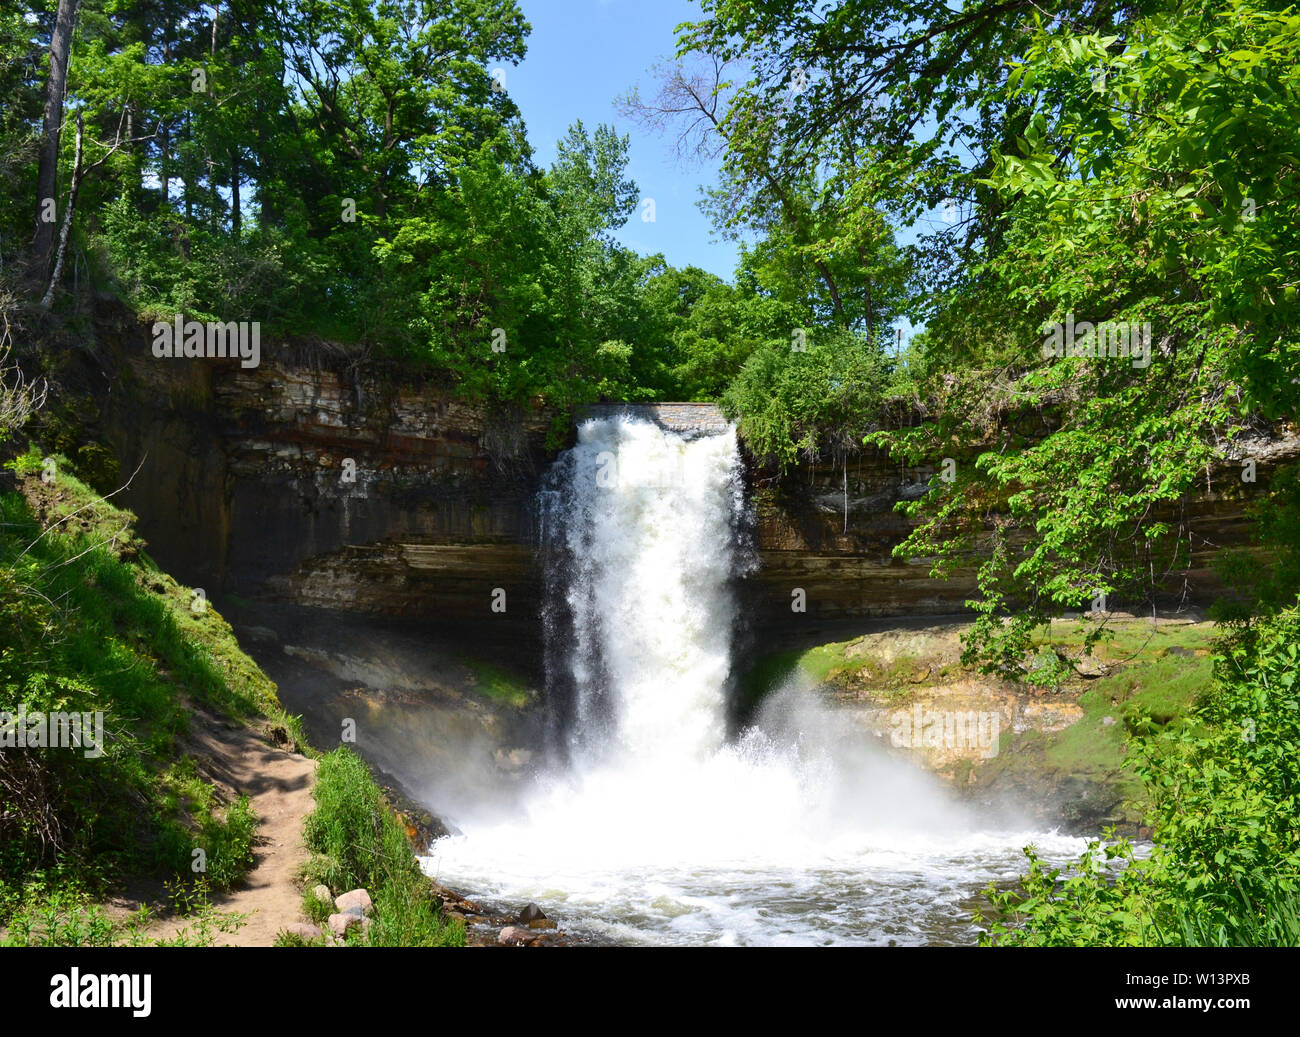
164,152
165,145
134,150
47,173
235,218
67,218
187,172
266,211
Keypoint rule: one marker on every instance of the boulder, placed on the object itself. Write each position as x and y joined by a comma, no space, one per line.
514,936
343,923
305,931
355,898
322,893
531,914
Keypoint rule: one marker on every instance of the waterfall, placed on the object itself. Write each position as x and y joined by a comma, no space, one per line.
651,824
642,534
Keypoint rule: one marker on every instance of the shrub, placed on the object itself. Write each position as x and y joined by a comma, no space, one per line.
1225,868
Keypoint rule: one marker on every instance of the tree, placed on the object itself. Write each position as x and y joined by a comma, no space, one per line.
51,129
1151,189
795,399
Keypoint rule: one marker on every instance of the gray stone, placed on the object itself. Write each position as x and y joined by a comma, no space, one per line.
322,893
343,923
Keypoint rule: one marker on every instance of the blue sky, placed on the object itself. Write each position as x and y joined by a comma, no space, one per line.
582,54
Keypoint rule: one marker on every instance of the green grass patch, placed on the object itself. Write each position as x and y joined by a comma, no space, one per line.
501,686
357,842
823,664
1151,691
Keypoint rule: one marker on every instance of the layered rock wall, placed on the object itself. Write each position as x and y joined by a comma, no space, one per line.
321,479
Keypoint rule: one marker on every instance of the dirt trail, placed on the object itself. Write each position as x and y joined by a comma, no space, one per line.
278,784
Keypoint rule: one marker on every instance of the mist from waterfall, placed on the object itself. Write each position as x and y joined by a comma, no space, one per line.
657,827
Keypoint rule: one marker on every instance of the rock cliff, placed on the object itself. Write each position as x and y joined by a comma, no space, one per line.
324,479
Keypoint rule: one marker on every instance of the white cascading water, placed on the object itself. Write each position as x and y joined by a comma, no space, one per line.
646,545
660,830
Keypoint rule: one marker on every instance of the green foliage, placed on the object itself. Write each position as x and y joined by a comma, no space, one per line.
60,913
318,909
22,88
358,173
288,939
347,828
58,916
701,330
84,630
1135,193
1225,868
190,817
834,121
791,402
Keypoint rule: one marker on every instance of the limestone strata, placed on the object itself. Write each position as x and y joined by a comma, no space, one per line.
320,479
688,419
324,478
834,537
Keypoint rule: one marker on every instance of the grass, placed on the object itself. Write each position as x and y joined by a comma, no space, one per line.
58,916
1275,922
822,664
357,842
122,596
1129,639
498,685
1149,688
64,914
88,622
224,834
288,939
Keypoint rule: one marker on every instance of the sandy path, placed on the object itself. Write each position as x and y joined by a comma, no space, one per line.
278,784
